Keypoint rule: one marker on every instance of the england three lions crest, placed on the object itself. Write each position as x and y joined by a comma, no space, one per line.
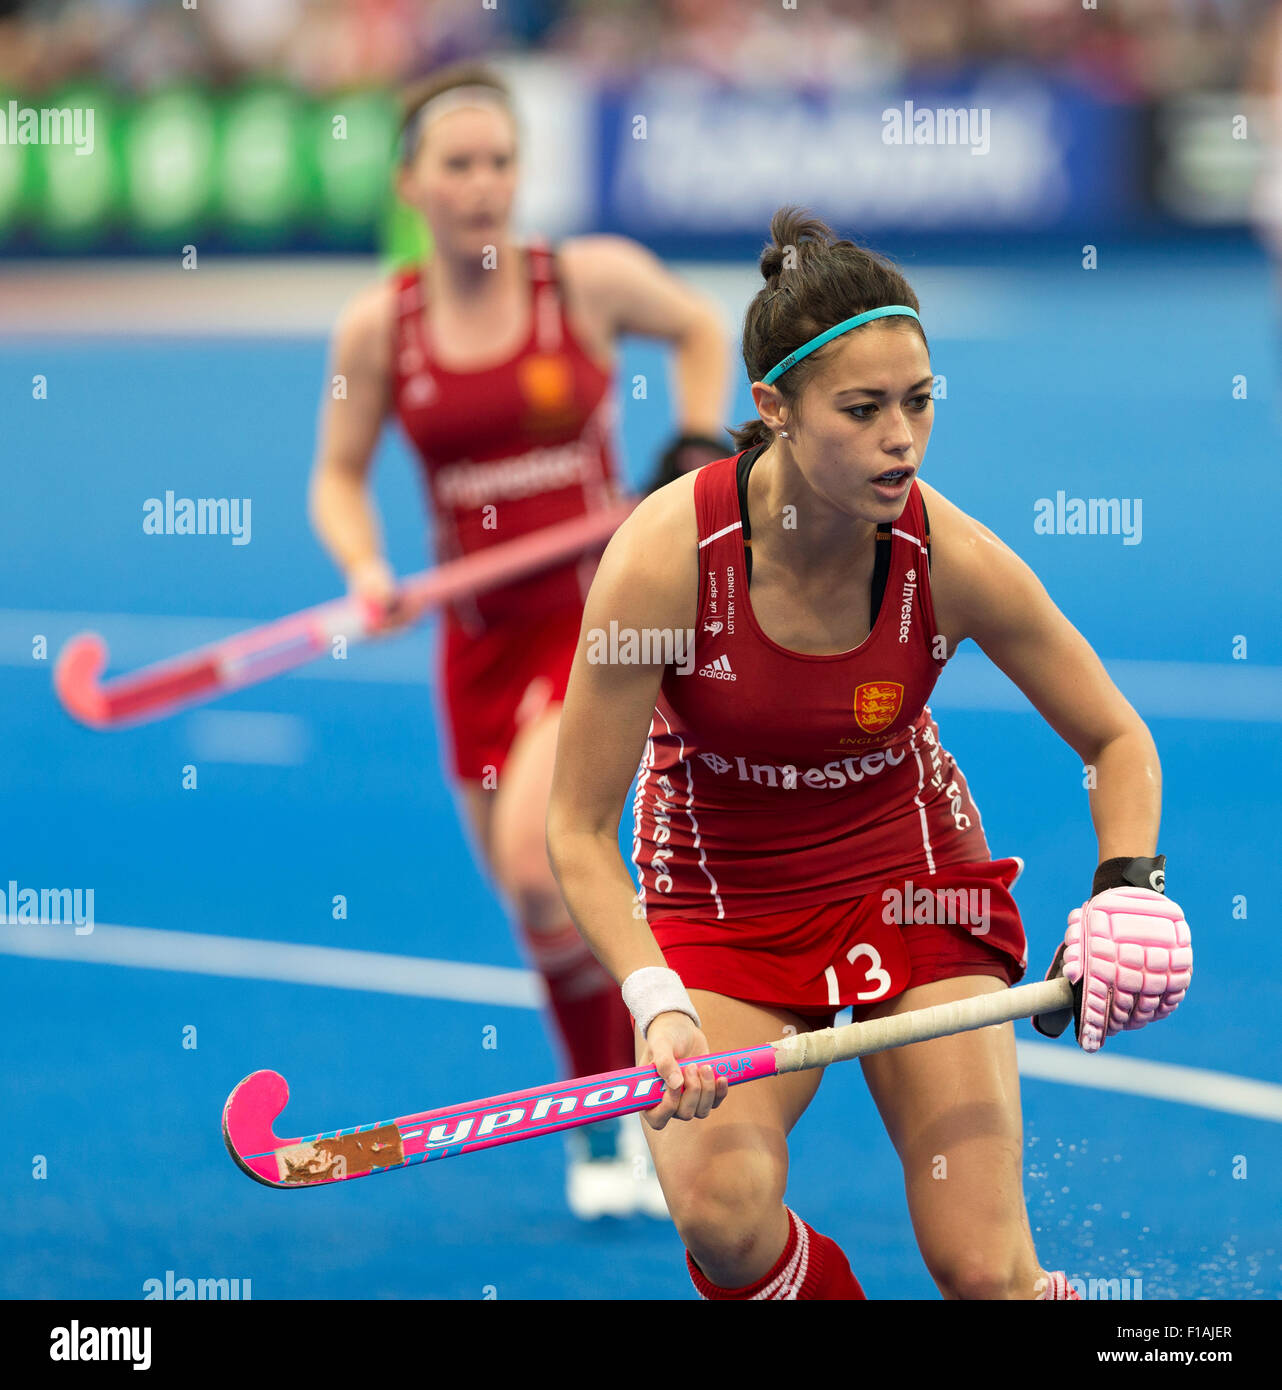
877,705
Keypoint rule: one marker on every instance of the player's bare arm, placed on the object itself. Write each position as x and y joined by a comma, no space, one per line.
647,581
635,293
984,591
351,417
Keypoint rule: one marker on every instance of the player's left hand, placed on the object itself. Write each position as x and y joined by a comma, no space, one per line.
685,454
1129,956
374,584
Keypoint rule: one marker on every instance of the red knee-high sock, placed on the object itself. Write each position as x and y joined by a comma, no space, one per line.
1057,1287
811,1266
591,1017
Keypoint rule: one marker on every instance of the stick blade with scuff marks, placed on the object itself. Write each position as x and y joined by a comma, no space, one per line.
345,1156
248,1119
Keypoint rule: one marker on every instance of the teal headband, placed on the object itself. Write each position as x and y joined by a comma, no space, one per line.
835,331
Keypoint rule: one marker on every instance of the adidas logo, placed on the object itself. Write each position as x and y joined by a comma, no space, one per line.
718,670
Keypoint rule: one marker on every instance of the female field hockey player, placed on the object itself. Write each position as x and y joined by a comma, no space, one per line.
497,359
803,841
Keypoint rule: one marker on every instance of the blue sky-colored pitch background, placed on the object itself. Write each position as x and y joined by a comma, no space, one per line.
1112,383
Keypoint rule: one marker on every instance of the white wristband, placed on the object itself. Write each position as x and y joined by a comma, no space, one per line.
655,990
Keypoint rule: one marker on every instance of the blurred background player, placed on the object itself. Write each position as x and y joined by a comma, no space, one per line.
497,359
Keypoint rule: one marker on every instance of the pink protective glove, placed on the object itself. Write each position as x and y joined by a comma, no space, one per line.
1130,951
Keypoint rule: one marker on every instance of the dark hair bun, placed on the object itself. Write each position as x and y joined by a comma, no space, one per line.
814,278
771,262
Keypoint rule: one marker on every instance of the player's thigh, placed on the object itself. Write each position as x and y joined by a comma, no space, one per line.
476,805
952,1110
734,1161
519,826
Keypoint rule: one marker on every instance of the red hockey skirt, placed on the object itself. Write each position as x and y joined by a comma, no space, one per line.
961,920
498,681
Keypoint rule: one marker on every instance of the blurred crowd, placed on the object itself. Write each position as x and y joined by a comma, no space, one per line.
1130,49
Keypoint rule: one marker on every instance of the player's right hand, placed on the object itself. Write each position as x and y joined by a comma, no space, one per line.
692,1092
373,581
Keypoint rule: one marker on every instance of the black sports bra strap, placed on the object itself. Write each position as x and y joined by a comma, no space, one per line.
746,460
880,571
881,560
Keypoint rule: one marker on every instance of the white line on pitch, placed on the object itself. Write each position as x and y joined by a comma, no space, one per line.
150,948
1212,1090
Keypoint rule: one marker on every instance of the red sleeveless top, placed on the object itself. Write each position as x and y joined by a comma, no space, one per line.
507,449
774,779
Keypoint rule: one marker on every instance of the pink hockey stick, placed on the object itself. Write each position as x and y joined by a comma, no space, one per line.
263,652
340,1154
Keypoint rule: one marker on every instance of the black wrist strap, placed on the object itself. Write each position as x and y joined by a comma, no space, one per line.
1112,873
669,467
1131,873
706,441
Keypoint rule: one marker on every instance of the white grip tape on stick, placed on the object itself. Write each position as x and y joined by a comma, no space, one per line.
827,1045
345,618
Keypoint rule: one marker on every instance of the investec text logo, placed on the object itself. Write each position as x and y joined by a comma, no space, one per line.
547,468
831,776
906,605
665,796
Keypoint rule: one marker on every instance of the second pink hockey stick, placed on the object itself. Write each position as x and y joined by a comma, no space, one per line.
276,647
